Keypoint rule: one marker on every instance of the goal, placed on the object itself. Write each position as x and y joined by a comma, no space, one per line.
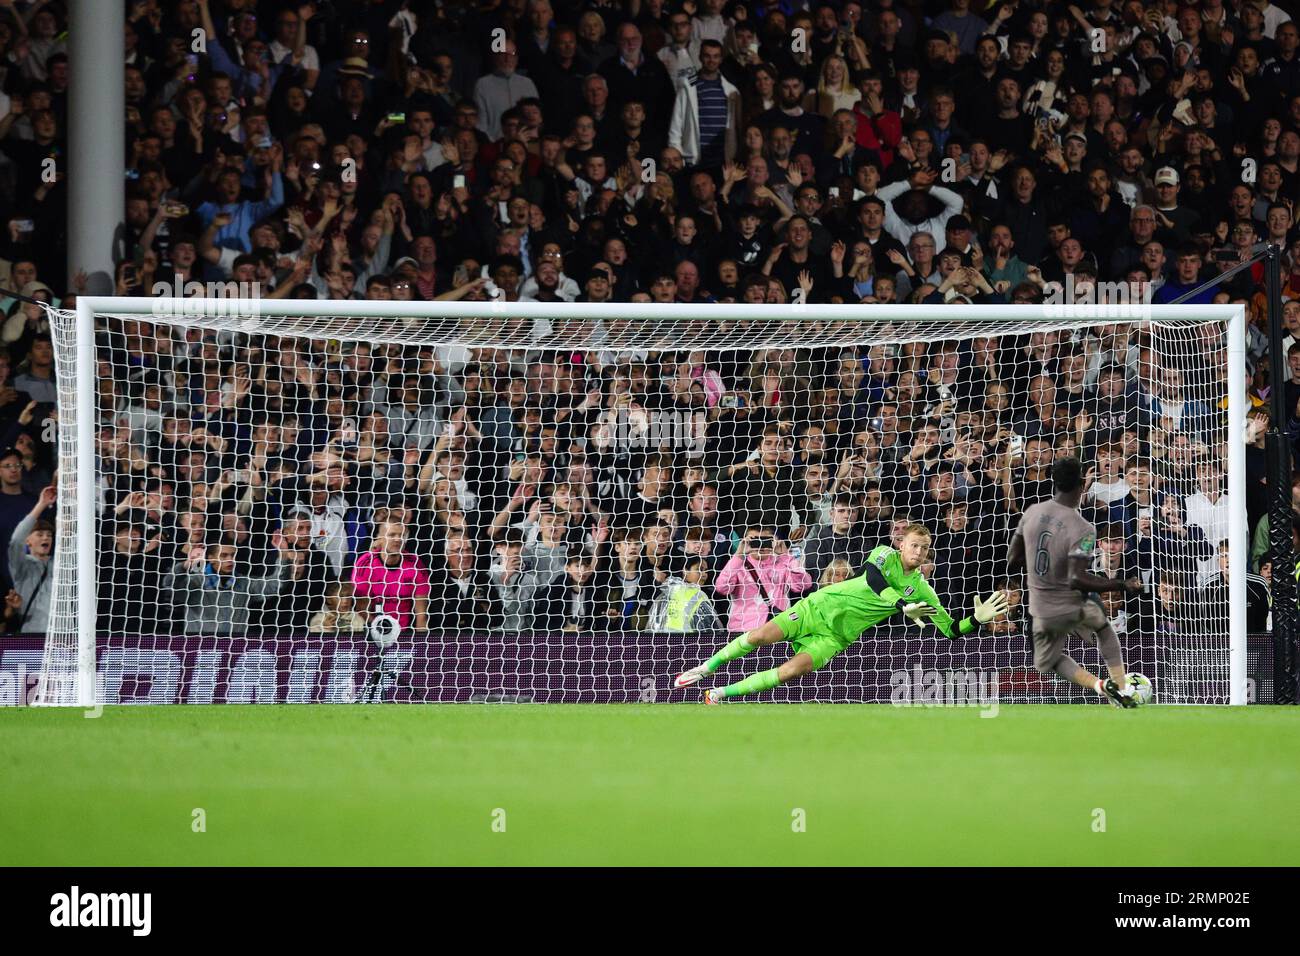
450,501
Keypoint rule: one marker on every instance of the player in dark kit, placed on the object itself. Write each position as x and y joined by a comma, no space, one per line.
1060,587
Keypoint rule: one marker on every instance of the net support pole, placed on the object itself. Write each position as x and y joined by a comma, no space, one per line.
96,137
1238,531
87,405
1279,486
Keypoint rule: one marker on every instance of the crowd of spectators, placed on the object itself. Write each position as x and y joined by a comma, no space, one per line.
645,151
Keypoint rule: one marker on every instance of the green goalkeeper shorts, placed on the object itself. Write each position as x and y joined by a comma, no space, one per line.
808,634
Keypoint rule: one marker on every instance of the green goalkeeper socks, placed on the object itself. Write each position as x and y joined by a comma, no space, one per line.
753,684
737,648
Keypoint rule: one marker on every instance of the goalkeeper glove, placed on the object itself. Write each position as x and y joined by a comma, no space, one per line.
994,606
917,612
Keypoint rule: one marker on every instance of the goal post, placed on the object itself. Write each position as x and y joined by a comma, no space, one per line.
808,353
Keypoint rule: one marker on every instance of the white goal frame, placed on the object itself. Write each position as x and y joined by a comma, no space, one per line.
78,404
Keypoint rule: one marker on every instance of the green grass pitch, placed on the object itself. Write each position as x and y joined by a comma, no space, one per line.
649,784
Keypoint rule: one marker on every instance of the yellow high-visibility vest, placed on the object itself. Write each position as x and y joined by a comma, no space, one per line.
683,603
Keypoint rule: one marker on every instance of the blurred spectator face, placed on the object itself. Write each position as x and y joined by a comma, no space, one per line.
1247,61
1075,150
1142,224
996,398
633,115
843,517
1098,183
228,187
1070,252
846,124
1209,480
591,27
1008,94
1001,241
799,235
286,27
255,53
663,289
584,130
941,485
44,25
809,202
780,142
1024,184
548,276
222,559
357,43
1038,453
540,15
1279,222
1270,178
551,526
421,124
425,251
466,119
629,43
137,212
135,85
1153,257
1189,266
1116,135
949,262
503,172
506,277
390,540
710,60
44,125
352,91
163,123
791,92
922,144
942,108
687,275
595,92
671,160
183,255
1288,145
508,244
703,188
872,217
599,284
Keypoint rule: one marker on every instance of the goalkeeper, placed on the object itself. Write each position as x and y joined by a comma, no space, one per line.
827,621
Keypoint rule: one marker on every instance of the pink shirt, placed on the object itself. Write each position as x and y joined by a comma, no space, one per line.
392,590
712,382
779,573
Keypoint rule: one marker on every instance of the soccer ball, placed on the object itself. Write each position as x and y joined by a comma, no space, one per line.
1141,688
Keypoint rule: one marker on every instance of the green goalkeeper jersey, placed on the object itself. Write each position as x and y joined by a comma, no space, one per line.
851,607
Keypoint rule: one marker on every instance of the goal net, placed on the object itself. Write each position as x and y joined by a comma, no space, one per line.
479,501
